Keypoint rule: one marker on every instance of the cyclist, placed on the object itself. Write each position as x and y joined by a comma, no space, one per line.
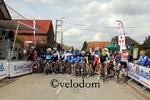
124,59
88,62
32,56
73,61
48,61
103,61
96,60
55,58
68,60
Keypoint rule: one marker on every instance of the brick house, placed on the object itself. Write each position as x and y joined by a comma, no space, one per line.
44,34
99,44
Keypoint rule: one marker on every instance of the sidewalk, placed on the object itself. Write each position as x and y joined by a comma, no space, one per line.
138,88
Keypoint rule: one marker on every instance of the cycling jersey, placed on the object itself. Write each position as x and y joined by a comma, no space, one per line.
55,56
103,56
96,57
48,56
68,56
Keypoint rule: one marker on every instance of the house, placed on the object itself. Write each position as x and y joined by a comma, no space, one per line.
4,13
129,41
99,44
44,34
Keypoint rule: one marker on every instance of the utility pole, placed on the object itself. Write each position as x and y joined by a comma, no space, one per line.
57,25
61,38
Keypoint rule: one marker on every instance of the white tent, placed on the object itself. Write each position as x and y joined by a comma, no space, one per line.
12,25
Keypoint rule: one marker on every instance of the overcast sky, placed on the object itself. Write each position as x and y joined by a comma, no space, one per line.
89,20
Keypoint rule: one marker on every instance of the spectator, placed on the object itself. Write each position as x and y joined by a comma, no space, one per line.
143,60
130,57
20,54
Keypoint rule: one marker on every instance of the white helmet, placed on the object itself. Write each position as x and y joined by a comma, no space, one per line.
124,48
82,52
32,47
48,49
106,49
54,48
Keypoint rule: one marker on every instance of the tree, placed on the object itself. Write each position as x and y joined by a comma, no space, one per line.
84,47
147,40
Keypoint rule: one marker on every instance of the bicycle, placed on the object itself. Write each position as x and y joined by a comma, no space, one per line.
111,70
80,69
120,75
103,71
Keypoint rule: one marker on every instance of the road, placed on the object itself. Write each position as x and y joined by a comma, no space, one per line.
37,87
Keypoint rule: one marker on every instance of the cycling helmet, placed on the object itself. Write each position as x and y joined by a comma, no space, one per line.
54,48
83,52
48,50
106,49
76,51
124,48
32,47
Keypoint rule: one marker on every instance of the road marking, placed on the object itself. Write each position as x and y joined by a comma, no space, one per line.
57,92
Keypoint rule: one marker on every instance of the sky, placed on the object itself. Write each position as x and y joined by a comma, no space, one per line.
88,20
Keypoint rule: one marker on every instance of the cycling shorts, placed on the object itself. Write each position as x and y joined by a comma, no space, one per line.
123,64
96,60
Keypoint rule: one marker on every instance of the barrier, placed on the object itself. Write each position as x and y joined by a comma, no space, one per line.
3,69
140,74
18,68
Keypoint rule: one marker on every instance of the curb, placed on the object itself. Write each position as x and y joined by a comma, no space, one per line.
145,94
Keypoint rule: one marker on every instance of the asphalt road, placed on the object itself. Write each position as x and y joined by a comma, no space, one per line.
37,87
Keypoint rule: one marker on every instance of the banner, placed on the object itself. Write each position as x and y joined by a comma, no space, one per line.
20,68
121,36
140,74
3,69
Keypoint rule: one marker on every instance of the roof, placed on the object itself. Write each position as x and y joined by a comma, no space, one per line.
42,25
96,44
11,25
4,13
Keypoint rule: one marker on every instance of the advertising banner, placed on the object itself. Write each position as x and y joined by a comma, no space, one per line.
20,68
121,35
140,74
3,69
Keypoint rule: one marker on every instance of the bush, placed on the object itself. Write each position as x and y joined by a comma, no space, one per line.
148,52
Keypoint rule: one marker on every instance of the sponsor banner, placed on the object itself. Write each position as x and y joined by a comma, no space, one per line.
3,69
20,68
121,39
140,74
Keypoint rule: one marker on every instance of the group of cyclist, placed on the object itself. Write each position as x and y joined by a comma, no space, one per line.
89,61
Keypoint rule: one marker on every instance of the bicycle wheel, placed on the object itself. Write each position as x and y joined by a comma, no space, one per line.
120,77
111,72
103,74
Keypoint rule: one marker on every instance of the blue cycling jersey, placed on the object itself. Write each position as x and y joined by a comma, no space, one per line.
68,56
48,56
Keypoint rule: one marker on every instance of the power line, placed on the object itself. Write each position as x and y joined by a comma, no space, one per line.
77,24
35,9
47,9
16,12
